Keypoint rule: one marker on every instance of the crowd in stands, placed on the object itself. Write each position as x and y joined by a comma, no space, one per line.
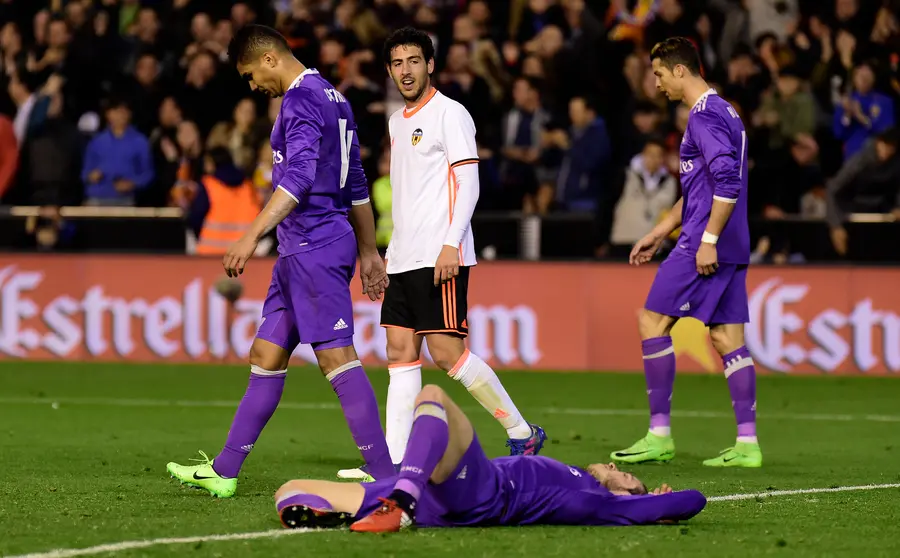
133,102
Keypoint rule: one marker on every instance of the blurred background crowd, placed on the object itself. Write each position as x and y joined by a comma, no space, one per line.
133,102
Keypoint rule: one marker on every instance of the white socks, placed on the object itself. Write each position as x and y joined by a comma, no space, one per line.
404,387
484,385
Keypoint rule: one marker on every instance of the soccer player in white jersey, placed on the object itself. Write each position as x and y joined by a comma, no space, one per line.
434,180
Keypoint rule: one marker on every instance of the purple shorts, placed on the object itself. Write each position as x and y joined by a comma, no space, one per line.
309,298
679,291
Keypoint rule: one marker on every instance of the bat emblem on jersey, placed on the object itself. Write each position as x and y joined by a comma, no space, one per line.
416,136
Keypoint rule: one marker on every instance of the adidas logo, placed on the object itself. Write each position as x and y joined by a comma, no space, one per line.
247,448
500,414
685,307
462,474
341,324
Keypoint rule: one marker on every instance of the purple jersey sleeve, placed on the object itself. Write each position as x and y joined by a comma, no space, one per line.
599,508
359,186
721,155
303,124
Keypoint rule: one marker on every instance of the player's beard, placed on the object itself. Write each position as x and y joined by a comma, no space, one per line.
415,94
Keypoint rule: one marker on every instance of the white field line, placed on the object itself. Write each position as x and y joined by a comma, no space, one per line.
120,402
275,533
733,497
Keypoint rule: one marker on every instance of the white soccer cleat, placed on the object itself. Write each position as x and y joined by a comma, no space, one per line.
359,474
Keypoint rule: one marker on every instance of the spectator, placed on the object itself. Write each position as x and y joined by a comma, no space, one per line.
190,165
239,136
588,152
145,92
225,204
522,131
863,113
166,154
117,163
262,176
868,182
461,84
54,155
9,154
788,111
646,191
381,199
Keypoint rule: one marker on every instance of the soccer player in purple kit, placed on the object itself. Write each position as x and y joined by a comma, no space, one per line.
320,188
447,481
705,275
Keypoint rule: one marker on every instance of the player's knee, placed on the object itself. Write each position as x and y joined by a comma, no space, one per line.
446,356
402,346
724,341
287,488
651,324
268,357
334,358
431,393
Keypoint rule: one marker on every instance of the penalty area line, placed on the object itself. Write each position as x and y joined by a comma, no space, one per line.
277,533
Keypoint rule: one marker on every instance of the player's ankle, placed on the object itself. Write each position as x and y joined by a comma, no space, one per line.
404,500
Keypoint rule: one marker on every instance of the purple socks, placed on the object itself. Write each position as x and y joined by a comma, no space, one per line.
357,398
741,377
256,408
659,371
427,443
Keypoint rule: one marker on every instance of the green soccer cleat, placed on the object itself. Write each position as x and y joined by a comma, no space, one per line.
743,454
649,448
204,477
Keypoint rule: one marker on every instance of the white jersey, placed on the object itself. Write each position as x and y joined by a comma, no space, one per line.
429,144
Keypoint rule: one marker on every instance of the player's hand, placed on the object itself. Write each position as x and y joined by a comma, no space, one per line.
447,265
645,248
663,489
123,185
707,259
238,255
373,275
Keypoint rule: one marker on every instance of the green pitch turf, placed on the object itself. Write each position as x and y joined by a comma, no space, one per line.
83,449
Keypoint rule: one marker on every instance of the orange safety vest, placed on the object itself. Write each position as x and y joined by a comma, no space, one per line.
231,211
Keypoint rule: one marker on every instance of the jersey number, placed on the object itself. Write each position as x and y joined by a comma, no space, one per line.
346,144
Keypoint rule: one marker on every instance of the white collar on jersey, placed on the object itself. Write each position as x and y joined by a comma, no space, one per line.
704,97
298,79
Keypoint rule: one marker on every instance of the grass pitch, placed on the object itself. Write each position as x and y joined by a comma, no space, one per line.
83,449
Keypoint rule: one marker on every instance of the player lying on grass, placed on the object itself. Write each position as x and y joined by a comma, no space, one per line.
446,480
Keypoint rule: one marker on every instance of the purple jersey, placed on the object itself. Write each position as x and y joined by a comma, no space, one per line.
315,153
532,490
714,166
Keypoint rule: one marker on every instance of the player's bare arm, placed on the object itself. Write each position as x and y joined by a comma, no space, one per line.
371,266
707,255
280,206
647,247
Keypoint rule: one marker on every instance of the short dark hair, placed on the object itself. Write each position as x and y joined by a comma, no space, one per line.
533,83
639,491
220,157
251,41
657,141
677,50
589,103
116,102
891,136
408,36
